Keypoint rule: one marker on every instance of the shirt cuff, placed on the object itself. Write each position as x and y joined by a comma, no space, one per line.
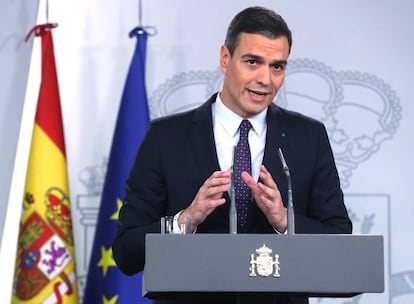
278,232
176,226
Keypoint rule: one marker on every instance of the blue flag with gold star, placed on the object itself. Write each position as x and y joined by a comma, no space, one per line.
105,282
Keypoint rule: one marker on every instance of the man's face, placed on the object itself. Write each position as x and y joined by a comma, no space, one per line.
254,74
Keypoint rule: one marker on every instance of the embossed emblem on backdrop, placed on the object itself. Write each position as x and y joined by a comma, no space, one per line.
314,89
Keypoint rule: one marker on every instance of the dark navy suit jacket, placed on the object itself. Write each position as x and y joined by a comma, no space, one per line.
178,154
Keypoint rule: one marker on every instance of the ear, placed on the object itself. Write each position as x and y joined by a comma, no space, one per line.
224,58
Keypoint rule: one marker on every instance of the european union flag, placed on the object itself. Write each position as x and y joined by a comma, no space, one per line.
105,282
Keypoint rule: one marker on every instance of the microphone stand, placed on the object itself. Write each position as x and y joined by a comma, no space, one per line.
233,211
290,209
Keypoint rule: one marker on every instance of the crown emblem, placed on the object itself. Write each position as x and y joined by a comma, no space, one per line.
93,178
264,251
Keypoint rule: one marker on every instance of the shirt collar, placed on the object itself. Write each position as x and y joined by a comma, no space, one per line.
231,121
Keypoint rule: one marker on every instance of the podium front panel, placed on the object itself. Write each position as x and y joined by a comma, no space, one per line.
315,265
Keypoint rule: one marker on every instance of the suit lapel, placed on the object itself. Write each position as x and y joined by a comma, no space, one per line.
202,140
204,148
275,138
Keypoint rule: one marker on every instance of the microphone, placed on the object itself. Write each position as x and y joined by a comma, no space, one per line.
233,211
290,209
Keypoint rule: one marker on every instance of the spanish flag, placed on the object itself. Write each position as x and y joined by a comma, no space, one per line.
45,264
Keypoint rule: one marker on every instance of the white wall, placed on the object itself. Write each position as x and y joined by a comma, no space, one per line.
351,66
16,19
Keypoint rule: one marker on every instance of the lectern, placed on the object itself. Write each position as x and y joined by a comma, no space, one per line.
311,265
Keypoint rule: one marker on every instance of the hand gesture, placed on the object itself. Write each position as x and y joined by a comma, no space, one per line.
208,198
268,198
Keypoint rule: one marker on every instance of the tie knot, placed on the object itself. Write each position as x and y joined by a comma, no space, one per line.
245,126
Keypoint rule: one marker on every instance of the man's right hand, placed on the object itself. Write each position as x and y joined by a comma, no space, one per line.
208,198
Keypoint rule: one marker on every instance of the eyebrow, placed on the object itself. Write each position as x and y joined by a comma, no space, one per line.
260,59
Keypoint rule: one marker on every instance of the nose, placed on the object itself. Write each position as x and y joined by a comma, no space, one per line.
263,76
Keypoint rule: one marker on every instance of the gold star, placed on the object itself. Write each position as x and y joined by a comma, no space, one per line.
106,260
110,301
115,216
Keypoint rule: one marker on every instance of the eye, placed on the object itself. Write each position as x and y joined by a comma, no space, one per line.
252,61
278,67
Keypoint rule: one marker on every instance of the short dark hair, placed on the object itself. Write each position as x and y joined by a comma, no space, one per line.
257,20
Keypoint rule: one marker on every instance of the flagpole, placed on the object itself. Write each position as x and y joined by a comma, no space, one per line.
139,13
47,11
149,30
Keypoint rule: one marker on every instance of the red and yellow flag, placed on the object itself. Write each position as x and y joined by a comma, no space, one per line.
45,264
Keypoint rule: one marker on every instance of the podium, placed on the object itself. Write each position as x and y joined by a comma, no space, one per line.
302,264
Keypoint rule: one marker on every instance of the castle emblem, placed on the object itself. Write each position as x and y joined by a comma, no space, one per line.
264,265
58,213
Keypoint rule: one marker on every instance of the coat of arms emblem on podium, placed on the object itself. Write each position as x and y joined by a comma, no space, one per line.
264,264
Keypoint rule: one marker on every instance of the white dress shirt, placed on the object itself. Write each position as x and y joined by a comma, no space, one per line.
226,136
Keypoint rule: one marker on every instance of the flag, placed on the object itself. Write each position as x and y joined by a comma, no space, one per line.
105,282
45,262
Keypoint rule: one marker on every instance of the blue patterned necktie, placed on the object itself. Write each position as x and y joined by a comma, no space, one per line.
242,162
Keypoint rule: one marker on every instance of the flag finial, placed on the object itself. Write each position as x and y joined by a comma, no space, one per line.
39,29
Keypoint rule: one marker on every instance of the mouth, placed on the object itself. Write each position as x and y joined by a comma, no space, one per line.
257,95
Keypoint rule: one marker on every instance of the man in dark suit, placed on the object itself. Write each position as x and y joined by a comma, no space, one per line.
183,166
